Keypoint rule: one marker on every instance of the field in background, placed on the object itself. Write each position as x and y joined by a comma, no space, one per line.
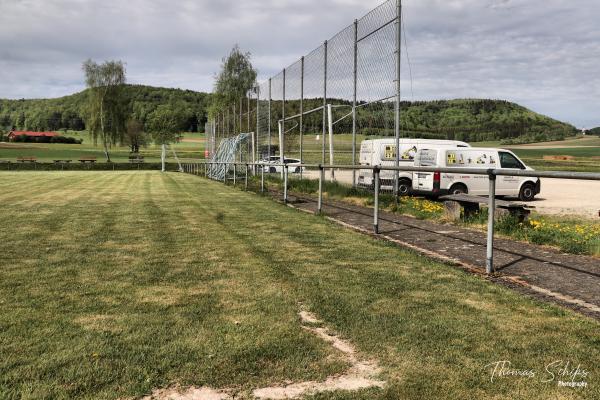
584,150
113,284
192,147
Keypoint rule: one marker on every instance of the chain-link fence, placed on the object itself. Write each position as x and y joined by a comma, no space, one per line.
323,106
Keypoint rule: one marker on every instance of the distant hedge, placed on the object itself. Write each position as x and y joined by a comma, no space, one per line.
47,139
98,166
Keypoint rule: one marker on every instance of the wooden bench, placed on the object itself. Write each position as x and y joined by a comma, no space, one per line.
470,205
26,159
136,159
90,160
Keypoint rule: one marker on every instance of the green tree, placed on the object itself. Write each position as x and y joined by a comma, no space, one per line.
166,125
107,110
135,137
236,78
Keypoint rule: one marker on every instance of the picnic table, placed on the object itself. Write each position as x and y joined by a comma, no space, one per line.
26,159
90,160
470,205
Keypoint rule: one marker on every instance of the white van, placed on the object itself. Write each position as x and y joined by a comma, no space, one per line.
523,187
382,152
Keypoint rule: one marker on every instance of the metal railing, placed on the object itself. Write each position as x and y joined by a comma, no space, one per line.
376,170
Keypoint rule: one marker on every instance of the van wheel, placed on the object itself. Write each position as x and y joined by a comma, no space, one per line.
272,170
459,189
527,192
404,187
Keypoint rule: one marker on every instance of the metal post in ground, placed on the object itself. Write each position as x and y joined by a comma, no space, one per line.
285,183
321,179
262,178
301,113
225,174
376,200
398,97
234,173
489,261
324,102
246,179
355,71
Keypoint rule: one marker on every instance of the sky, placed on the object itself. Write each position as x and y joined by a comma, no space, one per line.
543,54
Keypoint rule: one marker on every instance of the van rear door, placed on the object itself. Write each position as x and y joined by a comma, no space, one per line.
423,181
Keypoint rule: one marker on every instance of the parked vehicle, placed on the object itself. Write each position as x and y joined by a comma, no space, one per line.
382,152
525,188
292,163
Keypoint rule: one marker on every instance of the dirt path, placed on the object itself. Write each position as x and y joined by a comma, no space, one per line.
558,196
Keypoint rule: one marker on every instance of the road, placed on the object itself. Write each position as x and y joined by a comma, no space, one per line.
558,196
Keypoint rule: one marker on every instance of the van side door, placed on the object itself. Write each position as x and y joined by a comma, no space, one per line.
509,185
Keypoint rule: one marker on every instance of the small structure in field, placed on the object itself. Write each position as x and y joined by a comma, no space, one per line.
15,136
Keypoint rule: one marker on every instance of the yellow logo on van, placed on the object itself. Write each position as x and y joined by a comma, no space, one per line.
451,158
389,152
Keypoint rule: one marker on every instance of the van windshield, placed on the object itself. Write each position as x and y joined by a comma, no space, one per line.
507,160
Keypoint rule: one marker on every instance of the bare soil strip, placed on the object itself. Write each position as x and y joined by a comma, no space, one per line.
362,374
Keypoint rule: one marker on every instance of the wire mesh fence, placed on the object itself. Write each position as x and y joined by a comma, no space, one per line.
320,108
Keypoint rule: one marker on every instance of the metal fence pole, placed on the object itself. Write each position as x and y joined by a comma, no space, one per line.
321,179
255,137
285,184
262,178
225,174
324,102
234,173
489,262
246,180
398,87
376,201
355,71
301,113
269,124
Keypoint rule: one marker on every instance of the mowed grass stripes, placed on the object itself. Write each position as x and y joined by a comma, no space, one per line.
112,284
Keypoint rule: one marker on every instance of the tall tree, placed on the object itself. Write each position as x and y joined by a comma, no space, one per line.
236,78
166,125
107,112
135,137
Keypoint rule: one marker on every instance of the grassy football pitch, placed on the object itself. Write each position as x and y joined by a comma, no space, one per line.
115,284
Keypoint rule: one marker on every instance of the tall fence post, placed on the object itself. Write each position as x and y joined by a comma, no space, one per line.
269,124
301,113
321,179
285,184
376,200
324,102
398,87
355,72
225,174
246,179
262,178
489,261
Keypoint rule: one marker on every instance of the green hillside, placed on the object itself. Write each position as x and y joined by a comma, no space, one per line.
471,120
68,112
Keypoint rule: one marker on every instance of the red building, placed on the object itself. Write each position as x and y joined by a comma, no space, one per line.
13,134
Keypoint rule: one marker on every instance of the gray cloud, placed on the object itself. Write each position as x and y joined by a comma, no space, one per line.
540,53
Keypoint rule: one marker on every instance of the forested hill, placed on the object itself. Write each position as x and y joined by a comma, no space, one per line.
481,120
465,119
69,112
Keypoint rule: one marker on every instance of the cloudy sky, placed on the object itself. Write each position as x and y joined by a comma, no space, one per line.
544,54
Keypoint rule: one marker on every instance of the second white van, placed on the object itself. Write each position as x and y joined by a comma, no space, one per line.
382,152
436,183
